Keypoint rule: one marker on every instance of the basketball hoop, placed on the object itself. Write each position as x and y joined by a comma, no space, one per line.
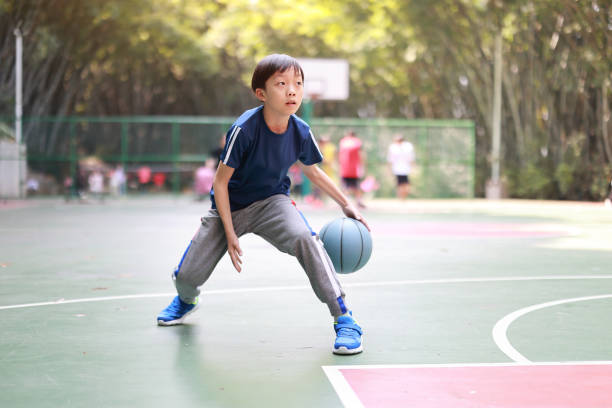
314,88
325,79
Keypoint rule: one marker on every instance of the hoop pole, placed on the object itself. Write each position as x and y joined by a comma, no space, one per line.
497,103
307,112
18,83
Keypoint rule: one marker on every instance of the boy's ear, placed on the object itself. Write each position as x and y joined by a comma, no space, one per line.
260,94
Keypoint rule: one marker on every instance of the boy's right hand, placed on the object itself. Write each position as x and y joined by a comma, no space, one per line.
233,248
350,211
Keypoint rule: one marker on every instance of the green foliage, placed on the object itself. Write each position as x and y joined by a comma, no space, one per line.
600,184
532,182
565,178
408,58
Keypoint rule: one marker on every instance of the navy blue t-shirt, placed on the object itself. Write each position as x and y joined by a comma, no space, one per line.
261,158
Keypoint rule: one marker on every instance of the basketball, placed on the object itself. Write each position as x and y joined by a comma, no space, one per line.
348,244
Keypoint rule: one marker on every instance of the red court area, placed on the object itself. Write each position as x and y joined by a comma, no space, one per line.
559,386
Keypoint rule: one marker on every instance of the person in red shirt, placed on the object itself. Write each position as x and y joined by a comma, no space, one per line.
159,179
144,177
352,160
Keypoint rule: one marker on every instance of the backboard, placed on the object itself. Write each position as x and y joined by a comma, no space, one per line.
325,78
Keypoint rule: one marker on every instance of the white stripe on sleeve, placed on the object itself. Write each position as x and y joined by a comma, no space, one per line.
315,142
233,137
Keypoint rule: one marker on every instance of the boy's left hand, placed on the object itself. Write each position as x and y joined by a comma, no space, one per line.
352,212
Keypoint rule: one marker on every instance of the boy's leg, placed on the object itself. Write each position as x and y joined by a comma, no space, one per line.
200,258
194,268
205,250
277,220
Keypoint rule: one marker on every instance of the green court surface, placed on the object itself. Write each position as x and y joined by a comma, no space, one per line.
449,282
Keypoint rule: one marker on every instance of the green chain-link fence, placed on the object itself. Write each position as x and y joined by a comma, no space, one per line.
176,146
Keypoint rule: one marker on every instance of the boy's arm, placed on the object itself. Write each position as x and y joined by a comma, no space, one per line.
322,180
222,177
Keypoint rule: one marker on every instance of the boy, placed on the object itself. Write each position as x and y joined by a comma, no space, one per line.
250,194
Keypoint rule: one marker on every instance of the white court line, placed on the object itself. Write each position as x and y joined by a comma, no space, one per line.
151,295
501,327
345,392
475,280
350,400
303,287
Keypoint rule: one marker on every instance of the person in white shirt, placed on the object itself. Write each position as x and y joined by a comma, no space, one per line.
96,184
401,158
118,180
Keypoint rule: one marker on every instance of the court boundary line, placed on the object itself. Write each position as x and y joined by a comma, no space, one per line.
500,330
349,397
303,287
343,389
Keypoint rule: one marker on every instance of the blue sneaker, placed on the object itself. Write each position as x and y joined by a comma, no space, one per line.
348,336
176,312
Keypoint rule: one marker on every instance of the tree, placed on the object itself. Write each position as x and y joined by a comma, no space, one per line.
413,58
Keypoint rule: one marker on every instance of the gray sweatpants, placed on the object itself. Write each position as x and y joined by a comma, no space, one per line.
275,219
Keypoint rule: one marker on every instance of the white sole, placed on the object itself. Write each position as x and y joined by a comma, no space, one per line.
178,321
343,351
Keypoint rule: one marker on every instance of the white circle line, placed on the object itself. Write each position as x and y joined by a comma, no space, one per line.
303,287
501,327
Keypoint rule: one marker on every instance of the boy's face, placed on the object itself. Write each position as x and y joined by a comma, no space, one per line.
283,92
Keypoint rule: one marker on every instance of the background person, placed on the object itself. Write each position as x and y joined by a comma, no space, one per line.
352,161
144,177
216,152
203,178
118,181
159,180
400,156
329,165
96,184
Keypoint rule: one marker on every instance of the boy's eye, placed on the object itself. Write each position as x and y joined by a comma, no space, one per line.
299,83
281,82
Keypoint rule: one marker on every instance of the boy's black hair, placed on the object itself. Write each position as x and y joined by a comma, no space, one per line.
271,64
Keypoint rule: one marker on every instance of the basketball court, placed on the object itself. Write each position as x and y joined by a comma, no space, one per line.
464,303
